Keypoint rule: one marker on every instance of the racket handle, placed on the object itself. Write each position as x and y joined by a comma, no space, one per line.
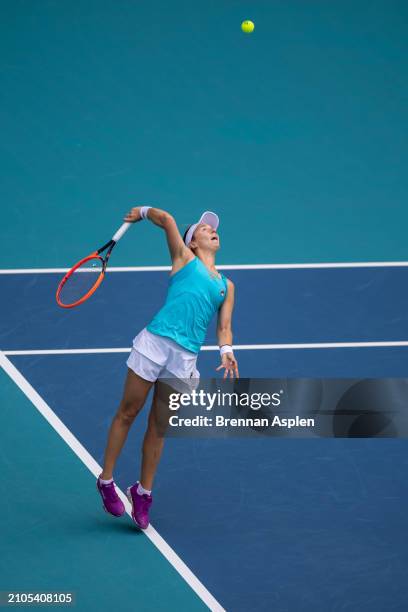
123,228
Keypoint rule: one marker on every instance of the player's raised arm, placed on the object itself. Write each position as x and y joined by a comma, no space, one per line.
165,220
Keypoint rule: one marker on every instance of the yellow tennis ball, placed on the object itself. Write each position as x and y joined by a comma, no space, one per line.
247,26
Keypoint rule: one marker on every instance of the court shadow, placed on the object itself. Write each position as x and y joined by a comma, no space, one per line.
97,524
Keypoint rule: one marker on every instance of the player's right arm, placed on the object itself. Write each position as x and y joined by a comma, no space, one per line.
179,253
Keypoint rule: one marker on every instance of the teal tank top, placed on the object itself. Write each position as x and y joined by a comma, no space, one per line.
192,299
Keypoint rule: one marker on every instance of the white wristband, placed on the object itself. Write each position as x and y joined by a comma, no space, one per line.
226,348
143,211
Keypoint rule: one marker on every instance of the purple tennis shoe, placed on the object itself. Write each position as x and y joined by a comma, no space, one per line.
110,499
140,506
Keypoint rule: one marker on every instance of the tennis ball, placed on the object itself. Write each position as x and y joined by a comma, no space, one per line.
247,26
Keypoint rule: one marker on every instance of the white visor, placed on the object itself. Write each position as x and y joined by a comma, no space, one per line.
209,218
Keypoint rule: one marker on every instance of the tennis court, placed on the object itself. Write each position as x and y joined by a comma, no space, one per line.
106,106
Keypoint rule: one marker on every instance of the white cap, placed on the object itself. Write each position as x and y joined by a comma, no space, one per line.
209,218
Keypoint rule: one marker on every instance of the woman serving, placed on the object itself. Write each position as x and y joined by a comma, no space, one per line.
168,348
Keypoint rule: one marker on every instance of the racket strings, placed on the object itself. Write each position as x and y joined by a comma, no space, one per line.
83,280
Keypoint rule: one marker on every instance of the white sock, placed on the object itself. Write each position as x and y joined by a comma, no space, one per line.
142,491
105,481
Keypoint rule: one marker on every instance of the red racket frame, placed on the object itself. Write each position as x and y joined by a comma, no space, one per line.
95,255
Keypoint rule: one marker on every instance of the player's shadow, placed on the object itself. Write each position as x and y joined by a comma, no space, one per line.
93,524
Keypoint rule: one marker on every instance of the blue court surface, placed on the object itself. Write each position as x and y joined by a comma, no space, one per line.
283,524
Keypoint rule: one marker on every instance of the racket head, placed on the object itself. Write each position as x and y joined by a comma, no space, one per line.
81,281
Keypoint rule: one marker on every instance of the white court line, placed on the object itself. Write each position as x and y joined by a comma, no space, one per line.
96,469
295,266
238,347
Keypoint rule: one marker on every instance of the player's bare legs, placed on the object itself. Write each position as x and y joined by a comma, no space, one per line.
134,396
153,441
140,493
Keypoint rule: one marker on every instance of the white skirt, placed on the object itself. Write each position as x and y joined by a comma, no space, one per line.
154,357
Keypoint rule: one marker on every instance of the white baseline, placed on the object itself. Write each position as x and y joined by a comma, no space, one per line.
283,266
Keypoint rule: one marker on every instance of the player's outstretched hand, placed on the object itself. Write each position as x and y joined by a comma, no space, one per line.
230,364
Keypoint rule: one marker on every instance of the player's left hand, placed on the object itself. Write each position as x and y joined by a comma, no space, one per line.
230,364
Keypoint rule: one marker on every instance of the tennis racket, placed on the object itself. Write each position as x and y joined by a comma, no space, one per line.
86,275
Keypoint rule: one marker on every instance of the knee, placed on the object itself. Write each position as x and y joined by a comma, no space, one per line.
128,410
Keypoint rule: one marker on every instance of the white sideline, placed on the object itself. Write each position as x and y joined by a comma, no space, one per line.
238,347
95,469
357,264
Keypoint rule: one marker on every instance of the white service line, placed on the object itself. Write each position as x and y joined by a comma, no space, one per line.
238,347
96,469
295,266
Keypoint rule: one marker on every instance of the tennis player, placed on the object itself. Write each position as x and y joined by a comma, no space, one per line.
168,348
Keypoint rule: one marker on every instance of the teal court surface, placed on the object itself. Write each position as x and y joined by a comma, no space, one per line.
296,137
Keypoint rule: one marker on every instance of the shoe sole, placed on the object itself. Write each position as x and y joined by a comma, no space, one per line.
104,507
130,498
